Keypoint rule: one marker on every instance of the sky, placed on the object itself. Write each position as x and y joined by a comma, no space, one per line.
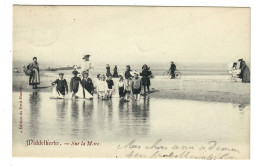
63,34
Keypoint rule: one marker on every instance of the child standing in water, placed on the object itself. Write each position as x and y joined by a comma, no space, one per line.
61,85
128,89
102,87
136,86
87,84
74,83
110,85
121,86
128,72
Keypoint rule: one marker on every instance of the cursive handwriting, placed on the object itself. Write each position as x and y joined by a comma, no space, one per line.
209,151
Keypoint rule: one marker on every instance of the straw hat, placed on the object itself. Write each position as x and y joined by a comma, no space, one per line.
75,72
120,74
86,56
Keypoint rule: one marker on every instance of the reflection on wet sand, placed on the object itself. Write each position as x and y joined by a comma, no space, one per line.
61,111
74,119
35,105
134,117
87,114
116,120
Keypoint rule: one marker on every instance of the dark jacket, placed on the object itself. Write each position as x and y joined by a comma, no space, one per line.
127,74
88,85
62,85
173,67
110,84
108,72
245,72
74,84
145,77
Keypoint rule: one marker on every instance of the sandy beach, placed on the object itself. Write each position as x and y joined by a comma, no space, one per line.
201,88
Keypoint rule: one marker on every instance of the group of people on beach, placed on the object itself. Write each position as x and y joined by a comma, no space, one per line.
241,70
130,83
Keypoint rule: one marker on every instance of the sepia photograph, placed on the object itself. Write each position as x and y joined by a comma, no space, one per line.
142,82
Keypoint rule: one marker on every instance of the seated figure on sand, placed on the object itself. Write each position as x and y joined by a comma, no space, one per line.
234,70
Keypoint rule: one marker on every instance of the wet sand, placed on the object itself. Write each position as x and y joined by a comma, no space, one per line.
113,122
193,110
206,88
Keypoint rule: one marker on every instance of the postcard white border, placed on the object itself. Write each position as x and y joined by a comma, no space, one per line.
6,85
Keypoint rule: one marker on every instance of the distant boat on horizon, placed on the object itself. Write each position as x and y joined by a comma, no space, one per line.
62,68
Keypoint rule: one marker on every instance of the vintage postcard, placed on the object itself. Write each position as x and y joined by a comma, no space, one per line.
131,82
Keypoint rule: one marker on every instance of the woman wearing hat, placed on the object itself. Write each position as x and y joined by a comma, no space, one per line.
74,83
86,66
34,78
61,85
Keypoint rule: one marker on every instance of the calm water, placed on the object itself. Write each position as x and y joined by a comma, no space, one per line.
114,120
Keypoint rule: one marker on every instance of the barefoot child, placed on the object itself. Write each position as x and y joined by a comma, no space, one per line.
121,86
136,86
102,87
110,85
128,89
61,85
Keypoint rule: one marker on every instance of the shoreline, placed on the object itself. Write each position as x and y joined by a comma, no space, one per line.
209,90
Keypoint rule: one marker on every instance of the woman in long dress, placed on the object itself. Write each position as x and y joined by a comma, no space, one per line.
34,78
146,73
108,73
115,74
245,72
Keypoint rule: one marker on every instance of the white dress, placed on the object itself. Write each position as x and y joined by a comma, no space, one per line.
86,66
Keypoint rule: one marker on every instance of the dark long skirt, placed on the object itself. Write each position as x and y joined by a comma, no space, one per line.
246,75
146,81
34,78
115,75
